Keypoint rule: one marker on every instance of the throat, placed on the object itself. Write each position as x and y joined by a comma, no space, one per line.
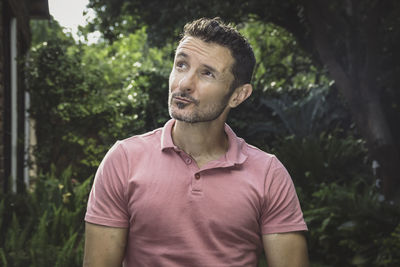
203,145
206,155
204,160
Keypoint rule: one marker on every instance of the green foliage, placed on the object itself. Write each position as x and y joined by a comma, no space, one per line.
290,96
55,77
78,91
45,30
282,65
350,226
323,159
120,18
301,113
389,249
46,225
349,223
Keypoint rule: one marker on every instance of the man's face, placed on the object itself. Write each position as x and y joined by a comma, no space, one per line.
200,80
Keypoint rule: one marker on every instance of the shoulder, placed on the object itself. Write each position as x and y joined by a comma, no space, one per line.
142,142
257,156
265,166
125,150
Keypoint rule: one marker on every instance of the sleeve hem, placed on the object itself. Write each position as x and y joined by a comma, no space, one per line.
284,229
106,221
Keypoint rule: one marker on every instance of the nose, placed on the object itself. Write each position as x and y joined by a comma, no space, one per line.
187,82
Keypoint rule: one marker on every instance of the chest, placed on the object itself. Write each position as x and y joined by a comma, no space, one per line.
176,201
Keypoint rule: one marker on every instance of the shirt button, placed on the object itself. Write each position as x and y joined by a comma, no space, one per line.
188,160
197,176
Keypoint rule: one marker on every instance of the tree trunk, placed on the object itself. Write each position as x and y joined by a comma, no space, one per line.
357,83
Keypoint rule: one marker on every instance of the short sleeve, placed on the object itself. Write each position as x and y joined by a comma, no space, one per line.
281,208
107,204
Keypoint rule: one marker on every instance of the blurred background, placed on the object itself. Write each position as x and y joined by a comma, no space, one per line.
75,76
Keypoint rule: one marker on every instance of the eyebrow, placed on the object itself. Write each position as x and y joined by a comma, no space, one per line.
182,54
210,68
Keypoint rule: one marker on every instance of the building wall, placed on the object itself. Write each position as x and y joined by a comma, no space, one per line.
1,99
20,11
8,10
22,46
5,137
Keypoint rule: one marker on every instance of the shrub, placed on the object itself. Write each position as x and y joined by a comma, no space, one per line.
351,226
326,158
84,98
46,225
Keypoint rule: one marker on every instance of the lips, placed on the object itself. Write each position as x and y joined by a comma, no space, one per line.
184,98
181,99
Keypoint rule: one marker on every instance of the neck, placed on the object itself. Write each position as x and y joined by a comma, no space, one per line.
204,142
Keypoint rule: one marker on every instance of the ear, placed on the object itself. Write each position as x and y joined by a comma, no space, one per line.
240,94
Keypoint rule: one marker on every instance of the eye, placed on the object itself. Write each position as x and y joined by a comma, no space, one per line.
208,73
180,65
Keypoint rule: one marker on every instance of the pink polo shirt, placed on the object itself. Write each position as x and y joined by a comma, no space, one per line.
182,215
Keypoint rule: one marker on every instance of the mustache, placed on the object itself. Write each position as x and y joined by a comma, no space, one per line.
185,96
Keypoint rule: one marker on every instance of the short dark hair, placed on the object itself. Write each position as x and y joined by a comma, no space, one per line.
216,31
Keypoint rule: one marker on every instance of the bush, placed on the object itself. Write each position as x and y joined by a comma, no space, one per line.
84,98
326,158
350,226
44,227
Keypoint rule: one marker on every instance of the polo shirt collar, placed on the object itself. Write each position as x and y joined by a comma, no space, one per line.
233,156
166,136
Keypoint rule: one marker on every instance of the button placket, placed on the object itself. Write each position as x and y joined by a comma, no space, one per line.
196,182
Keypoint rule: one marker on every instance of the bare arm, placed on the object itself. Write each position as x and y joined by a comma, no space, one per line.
104,246
286,250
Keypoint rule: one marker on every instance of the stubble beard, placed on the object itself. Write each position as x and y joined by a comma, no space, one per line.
211,112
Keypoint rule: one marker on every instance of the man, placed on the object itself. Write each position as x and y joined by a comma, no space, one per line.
192,193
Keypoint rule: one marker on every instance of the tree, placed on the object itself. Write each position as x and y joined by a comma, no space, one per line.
355,40
77,90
